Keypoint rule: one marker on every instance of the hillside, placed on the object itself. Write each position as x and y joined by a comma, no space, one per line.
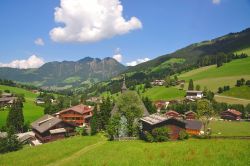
194,54
31,111
96,151
66,73
213,77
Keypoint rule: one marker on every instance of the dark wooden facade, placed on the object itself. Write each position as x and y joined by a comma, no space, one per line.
231,114
174,126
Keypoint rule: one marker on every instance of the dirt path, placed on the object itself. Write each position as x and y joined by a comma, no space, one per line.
77,154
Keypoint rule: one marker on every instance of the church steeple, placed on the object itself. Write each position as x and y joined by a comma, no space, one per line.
124,87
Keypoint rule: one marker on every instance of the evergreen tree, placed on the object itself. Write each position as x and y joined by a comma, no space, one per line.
94,122
105,110
197,87
191,85
149,105
15,118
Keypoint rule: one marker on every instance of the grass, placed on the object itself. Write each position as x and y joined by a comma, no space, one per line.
47,153
214,77
31,111
231,100
163,93
168,64
227,128
239,92
246,51
74,152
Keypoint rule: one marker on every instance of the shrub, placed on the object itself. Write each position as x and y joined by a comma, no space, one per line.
183,135
149,137
160,134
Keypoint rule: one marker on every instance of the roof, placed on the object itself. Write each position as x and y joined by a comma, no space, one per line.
157,118
7,99
171,111
59,130
81,109
233,111
193,124
45,123
3,134
194,91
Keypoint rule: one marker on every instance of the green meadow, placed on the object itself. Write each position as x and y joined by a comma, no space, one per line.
31,111
96,151
163,93
213,77
242,92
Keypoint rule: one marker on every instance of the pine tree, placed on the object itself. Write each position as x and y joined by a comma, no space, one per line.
191,85
94,122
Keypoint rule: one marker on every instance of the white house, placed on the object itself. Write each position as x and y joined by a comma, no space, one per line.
193,94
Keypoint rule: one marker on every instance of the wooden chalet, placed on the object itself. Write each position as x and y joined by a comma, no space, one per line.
172,113
7,101
49,128
193,127
190,115
161,104
155,121
79,114
158,82
231,114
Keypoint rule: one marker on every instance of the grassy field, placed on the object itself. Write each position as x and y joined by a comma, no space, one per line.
246,51
161,92
31,111
231,100
86,151
214,77
168,64
239,92
227,128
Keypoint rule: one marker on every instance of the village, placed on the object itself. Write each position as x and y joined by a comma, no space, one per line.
67,122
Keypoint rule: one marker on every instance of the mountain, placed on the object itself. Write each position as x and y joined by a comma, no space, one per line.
66,72
194,55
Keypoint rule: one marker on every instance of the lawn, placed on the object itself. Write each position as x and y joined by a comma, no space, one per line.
227,128
31,111
81,151
163,93
246,51
231,100
214,77
239,92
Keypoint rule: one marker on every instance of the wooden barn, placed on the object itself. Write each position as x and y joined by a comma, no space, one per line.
231,114
79,115
193,127
154,121
172,113
190,115
49,128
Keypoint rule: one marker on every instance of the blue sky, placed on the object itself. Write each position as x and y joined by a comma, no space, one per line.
159,27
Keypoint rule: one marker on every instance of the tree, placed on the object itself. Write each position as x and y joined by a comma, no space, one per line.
238,83
168,81
191,85
198,87
149,105
94,122
15,118
160,134
182,86
210,95
50,109
205,112
175,78
147,85
248,82
220,90
113,127
105,110
242,81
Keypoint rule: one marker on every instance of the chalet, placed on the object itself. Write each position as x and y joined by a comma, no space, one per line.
158,82
231,114
154,121
49,128
161,104
190,115
192,94
79,114
7,101
6,95
173,114
193,127
96,100
39,101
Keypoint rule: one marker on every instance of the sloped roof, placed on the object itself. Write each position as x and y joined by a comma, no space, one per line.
172,111
81,109
45,123
156,118
233,111
190,112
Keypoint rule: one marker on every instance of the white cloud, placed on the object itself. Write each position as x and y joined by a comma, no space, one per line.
118,57
32,62
216,1
136,62
39,42
91,20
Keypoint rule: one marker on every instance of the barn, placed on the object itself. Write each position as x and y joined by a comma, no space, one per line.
231,114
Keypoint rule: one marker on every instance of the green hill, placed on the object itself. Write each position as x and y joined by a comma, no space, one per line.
214,77
31,111
239,92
